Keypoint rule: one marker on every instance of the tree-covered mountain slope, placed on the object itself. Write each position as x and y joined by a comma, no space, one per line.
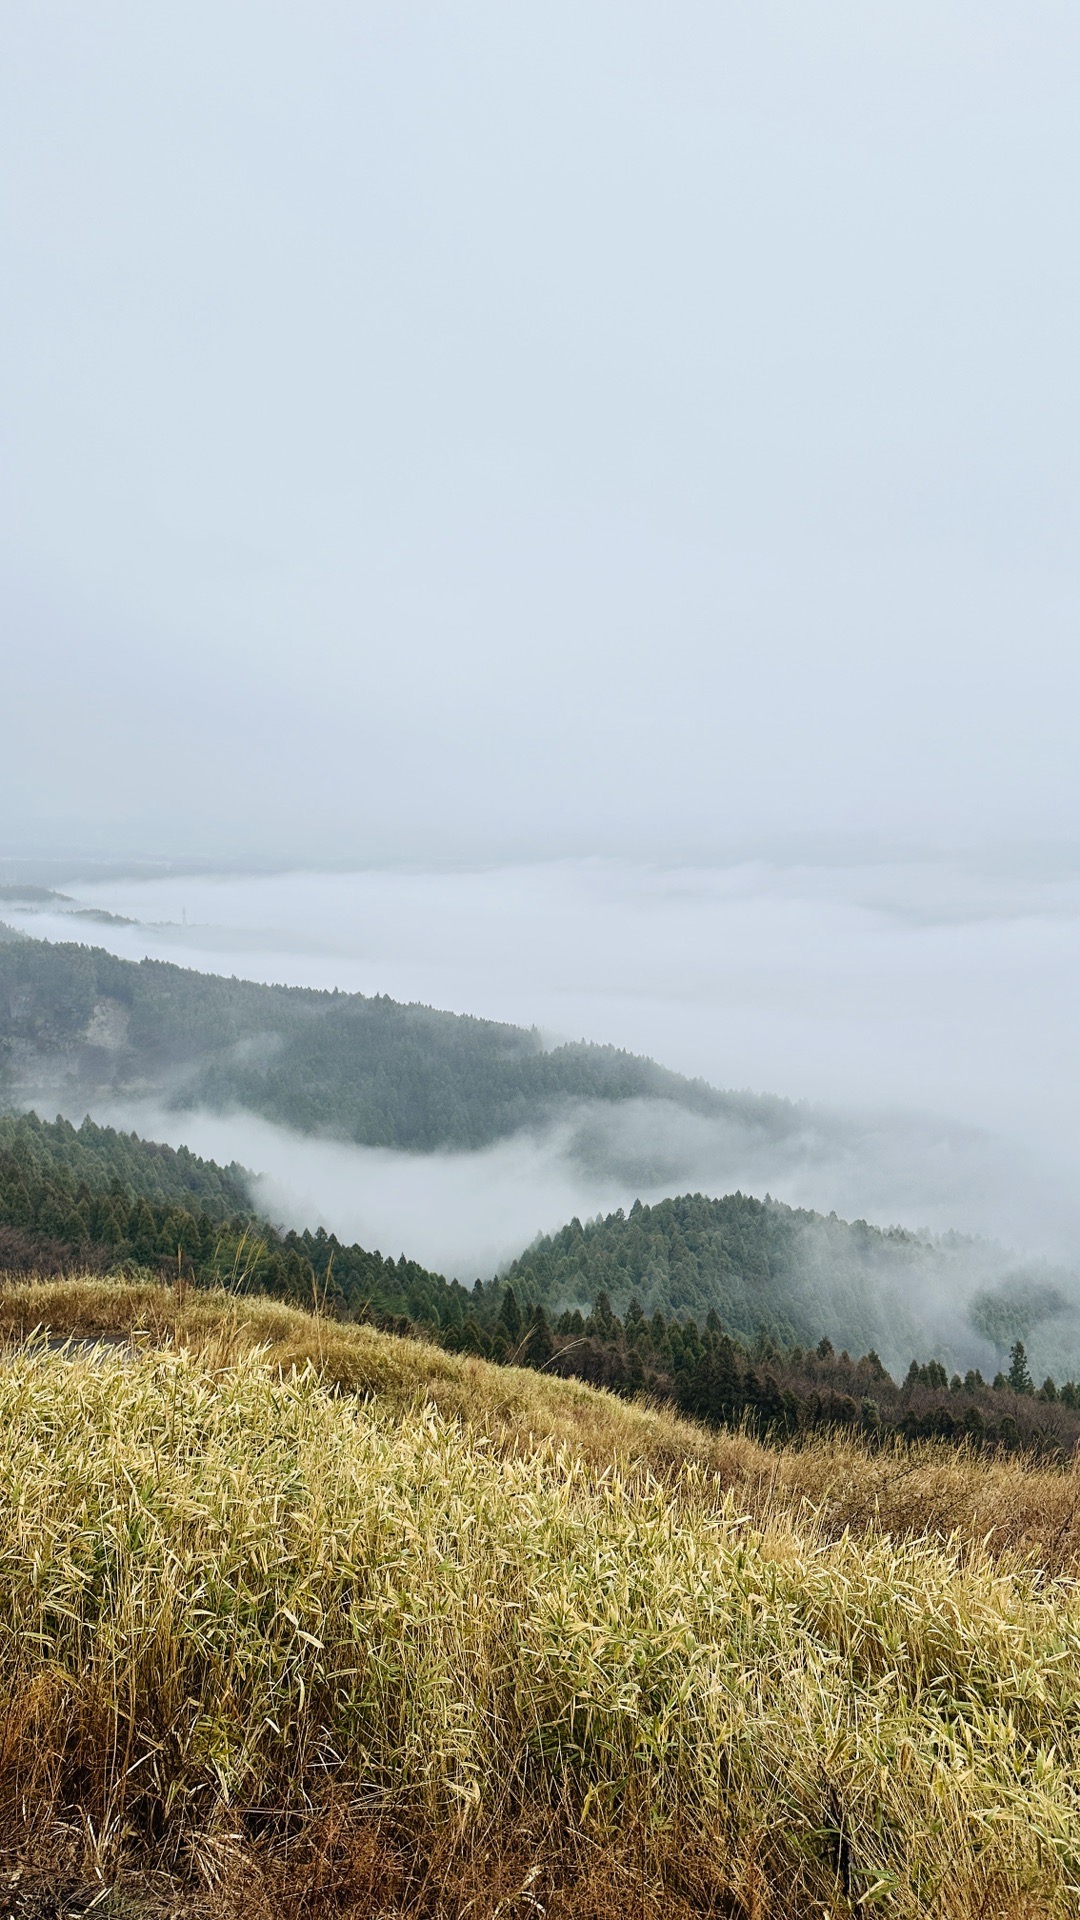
101,1160
76,1023
763,1267
94,1198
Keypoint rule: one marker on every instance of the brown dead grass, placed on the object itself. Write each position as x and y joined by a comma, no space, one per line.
883,1643
1016,1507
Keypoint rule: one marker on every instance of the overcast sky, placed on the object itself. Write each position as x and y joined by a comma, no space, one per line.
481,431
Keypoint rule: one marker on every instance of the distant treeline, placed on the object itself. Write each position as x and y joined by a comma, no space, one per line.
92,1198
726,1382
77,1024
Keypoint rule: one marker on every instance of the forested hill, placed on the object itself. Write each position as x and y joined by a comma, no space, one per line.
89,1198
763,1267
766,1270
76,1023
100,1159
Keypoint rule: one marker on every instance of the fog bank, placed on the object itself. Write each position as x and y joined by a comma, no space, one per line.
936,987
469,1214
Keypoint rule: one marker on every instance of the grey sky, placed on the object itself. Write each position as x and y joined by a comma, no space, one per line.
478,431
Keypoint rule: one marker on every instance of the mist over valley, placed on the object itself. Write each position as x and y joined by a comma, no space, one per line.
463,1141
912,1025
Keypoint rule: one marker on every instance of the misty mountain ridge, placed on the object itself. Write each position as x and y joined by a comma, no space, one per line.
791,1274
77,1024
94,1198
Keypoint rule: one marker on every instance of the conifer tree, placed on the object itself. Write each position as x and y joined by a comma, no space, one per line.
510,1316
539,1346
602,1319
1019,1378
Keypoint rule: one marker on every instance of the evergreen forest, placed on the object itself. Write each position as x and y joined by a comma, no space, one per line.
77,1023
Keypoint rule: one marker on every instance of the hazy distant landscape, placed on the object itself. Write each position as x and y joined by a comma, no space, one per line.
844,990
459,1141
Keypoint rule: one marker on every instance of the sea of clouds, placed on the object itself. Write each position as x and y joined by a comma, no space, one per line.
922,1013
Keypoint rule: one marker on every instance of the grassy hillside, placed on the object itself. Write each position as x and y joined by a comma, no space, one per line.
75,1021
468,1641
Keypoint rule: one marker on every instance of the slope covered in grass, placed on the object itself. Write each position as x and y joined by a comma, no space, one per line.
315,1620
1006,1502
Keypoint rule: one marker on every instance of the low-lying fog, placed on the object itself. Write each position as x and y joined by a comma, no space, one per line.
467,1213
926,1009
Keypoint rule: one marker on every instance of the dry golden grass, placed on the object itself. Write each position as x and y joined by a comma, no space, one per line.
307,1620
1009,1504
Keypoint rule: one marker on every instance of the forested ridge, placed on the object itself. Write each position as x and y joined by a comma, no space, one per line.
763,1266
75,1021
99,1158
89,1198
92,1198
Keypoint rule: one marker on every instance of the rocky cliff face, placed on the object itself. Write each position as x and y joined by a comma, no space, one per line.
45,1062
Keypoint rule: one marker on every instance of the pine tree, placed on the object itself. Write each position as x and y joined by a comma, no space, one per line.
510,1316
602,1319
539,1346
1019,1378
